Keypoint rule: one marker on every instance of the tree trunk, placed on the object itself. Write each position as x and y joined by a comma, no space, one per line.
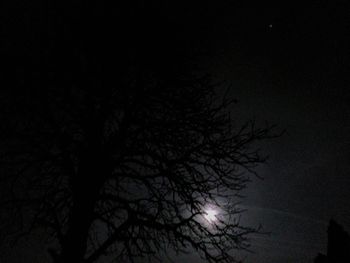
75,243
85,186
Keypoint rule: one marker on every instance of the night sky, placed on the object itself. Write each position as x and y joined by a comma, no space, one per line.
289,67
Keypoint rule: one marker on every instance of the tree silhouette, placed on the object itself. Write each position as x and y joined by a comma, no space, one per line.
133,171
123,159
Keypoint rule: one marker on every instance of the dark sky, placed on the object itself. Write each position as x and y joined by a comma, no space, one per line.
289,67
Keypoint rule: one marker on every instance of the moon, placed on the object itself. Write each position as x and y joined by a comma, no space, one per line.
210,215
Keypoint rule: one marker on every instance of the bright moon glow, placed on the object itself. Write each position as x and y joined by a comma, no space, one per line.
210,215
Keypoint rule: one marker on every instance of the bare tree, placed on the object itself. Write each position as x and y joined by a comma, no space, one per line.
127,163
133,173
